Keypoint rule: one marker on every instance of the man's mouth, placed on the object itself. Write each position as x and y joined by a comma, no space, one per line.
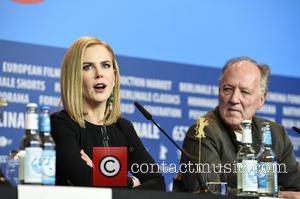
234,110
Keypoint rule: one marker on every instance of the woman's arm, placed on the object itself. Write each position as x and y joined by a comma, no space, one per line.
70,167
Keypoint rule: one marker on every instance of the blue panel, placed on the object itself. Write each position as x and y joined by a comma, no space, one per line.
205,32
176,94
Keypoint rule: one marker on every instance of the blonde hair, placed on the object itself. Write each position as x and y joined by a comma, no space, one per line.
71,82
263,68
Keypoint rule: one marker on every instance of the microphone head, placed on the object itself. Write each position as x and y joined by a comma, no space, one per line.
146,114
296,129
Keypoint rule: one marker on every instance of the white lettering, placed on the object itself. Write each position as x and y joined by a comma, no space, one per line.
164,111
283,98
22,98
136,95
276,97
289,123
195,114
146,130
127,108
159,84
49,100
179,132
31,84
202,102
148,83
57,87
166,98
132,81
268,109
296,142
29,69
26,69
187,87
291,111
293,99
51,72
12,120
7,82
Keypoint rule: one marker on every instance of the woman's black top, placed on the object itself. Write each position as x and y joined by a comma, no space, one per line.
70,138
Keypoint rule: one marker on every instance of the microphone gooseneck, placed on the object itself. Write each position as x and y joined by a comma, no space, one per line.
148,116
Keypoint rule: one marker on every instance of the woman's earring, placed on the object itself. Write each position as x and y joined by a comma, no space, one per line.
110,103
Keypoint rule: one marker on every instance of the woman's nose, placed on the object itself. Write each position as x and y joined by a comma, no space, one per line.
98,73
98,76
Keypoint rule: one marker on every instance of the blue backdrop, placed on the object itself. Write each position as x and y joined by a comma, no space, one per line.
176,94
167,49
198,32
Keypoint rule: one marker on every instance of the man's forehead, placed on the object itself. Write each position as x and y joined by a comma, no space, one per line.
243,65
244,68
243,74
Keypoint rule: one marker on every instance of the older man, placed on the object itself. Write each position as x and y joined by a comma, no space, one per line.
216,137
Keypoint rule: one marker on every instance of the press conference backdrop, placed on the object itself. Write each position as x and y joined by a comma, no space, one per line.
175,94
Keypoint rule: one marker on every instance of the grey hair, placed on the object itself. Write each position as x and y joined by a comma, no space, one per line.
263,68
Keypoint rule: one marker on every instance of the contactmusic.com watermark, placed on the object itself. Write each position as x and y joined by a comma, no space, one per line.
206,168
110,167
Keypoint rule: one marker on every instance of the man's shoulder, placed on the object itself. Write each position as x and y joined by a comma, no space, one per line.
214,121
277,130
207,125
273,124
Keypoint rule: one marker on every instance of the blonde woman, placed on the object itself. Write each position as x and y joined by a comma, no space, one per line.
90,92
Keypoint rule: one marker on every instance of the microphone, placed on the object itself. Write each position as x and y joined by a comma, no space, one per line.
296,129
148,116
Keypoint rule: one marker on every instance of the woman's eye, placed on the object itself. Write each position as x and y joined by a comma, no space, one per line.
87,67
106,65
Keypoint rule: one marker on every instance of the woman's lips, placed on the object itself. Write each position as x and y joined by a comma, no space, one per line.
100,87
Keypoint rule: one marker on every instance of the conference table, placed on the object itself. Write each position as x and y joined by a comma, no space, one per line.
65,192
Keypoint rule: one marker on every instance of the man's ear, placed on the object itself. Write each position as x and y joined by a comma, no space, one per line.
262,100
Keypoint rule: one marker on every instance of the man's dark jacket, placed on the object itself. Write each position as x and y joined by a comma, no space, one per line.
220,147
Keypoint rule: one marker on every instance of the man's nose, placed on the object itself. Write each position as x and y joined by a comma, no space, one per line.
235,97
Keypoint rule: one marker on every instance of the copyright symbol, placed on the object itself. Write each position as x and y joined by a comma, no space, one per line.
109,166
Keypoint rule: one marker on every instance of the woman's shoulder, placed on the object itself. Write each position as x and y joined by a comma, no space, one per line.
124,125
62,123
124,121
61,116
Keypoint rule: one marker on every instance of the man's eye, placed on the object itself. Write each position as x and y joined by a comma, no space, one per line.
227,89
246,92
